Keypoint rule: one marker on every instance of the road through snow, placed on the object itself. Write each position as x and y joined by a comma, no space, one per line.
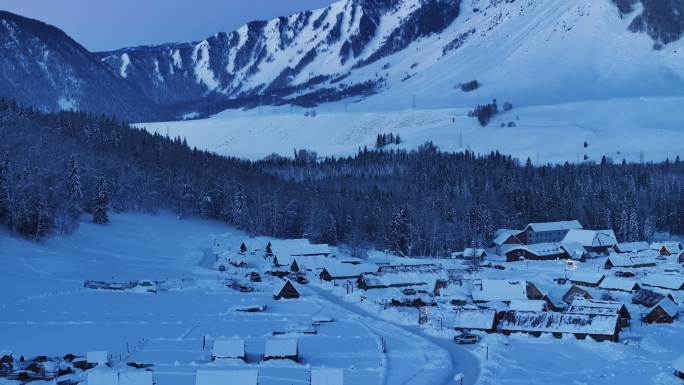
462,361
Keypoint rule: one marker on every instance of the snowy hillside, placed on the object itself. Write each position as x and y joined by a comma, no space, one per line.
571,69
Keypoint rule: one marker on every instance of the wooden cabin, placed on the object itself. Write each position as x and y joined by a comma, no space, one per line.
467,319
287,290
586,279
665,311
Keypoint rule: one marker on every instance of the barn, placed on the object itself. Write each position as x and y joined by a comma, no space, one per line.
281,349
466,319
599,327
665,311
287,290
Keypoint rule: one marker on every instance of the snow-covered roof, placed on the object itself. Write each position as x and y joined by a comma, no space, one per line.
229,348
615,283
575,250
670,307
554,226
279,348
679,364
103,377
550,322
586,277
672,282
98,357
226,377
499,290
298,247
404,279
349,270
591,238
535,305
327,376
285,282
671,247
627,247
595,306
410,266
541,249
470,252
632,259
502,235
465,318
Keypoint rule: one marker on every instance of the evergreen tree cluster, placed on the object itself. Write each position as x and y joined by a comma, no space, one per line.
383,140
484,113
61,168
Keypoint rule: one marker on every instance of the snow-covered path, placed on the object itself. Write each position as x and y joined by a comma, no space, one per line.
462,361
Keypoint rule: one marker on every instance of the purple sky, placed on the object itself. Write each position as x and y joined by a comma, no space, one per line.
104,25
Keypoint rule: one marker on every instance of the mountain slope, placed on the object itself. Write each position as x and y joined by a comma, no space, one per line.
41,66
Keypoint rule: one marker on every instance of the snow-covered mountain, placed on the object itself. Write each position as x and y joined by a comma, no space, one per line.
360,47
42,67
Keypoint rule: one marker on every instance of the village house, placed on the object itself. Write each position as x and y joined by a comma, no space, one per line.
504,239
298,248
601,307
632,260
227,377
287,290
594,241
631,247
599,327
344,271
326,376
228,349
547,232
469,254
679,367
649,298
668,248
431,281
282,349
664,281
537,251
467,319
582,278
619,284
665,311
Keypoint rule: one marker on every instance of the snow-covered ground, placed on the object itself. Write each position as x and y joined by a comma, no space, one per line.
46,310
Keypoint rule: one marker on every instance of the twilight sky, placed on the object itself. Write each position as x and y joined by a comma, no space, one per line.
104,25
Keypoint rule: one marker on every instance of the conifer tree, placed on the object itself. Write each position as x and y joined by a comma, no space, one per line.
101,202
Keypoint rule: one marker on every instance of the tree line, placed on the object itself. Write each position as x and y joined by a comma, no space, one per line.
57,169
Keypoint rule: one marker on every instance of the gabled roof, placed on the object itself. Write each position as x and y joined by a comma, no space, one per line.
228,348
671,247
227,377
499,290
540,249
627,247
615,283
404,279
502,235
285,283
280,348
587,277
595,306
298,247
671,282
632,259
481,319
553,226
591,238
668,307
348,270
535,305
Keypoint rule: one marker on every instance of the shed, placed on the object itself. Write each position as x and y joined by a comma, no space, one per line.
286,290
619,284
98,357
665,311
327,376
586,279
227,377
475,319
282,349
228,349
